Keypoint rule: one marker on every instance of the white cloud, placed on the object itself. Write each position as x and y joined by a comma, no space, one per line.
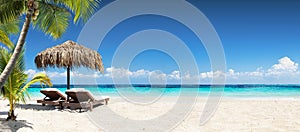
117,72
140,73
174,75
157,77
285,71
56,74
230,72
258,73
215,74
236,75
30,73
285,66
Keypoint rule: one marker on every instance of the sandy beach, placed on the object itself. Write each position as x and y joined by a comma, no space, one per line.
182,66
233,114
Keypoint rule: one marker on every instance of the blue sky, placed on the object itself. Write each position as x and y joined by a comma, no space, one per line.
260,39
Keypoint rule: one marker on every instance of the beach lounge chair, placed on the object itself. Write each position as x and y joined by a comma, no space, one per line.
80,98
53,97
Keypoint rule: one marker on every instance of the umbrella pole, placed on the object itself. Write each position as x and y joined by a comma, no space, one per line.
68,78
68,81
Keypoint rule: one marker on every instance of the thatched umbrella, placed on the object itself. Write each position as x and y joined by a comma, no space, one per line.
69,55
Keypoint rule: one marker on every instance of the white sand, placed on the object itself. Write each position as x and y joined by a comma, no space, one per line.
232,115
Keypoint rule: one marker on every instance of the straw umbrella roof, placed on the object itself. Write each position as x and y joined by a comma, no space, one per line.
69,55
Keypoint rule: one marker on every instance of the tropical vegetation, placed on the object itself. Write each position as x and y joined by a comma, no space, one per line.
15,88
50,16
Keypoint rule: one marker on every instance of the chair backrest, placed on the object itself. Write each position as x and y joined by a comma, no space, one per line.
53,94
80,95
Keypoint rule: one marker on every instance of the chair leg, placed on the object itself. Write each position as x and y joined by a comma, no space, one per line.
61,105
91,106
106,101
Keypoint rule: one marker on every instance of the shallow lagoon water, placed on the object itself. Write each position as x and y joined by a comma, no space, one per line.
240,91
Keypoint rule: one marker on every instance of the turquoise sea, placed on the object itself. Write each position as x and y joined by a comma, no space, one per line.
240,91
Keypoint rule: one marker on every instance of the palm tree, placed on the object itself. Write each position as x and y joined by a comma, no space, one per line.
16,87
51,16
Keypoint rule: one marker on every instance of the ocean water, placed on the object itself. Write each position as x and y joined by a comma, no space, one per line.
239,91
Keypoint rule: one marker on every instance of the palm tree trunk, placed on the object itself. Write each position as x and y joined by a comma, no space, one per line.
11,113
17,51
11,116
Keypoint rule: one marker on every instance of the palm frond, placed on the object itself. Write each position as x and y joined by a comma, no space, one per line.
10,10
40,77
82,9
11,27
4,38
4,58
53,19
3,61
20,64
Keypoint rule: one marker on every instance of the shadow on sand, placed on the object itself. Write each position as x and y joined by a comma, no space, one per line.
13,126
35,107
3,112
39,107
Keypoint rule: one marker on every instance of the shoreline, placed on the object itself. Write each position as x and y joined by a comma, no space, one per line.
255,91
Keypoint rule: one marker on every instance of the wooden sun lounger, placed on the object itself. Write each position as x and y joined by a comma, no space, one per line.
83,99
53,97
